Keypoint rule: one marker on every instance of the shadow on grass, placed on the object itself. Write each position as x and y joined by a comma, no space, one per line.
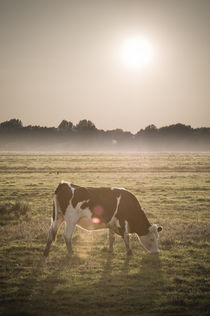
134,287
68,286
100,284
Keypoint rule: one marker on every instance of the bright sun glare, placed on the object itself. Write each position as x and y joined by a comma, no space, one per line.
137,52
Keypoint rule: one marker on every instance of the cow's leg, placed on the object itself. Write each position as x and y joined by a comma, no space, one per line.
69,230
52,234
126,239
111,239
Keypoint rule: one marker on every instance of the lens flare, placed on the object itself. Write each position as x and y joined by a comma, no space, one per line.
96,220
98,210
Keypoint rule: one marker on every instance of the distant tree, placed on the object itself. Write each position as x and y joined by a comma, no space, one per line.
65,126
176,130
151,127
173,137
177,127
149,130
13,124
118,134
85,126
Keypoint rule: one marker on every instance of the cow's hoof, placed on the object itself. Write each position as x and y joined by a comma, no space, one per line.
129,252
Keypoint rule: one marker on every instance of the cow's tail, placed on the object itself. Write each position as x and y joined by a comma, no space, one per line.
54,220
55,209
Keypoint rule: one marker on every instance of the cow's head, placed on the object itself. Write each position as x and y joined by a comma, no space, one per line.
150,240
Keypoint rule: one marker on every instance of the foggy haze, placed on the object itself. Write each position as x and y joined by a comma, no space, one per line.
85,136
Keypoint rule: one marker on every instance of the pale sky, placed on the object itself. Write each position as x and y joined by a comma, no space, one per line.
63,60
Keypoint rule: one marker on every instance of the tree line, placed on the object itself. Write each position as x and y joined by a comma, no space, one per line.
85,136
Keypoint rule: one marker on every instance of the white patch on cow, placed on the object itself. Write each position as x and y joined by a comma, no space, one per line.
114,223
150,241
116,188
82,217
71,213
74,213
71,187
126,227
154,229
71,217
78,207
117,222
115,212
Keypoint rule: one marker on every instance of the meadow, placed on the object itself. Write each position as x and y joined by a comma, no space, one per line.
174,191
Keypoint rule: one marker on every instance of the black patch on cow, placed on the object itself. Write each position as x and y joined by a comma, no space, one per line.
64,195
80,194
84,205
106,199
122,226
130,210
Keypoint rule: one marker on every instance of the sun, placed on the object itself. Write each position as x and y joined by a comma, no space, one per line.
137,52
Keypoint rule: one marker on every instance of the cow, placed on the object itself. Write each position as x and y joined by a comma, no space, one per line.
96,208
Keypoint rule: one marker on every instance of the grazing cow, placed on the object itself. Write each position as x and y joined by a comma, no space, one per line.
96,208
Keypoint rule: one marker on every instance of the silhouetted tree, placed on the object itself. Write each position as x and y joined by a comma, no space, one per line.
65,126
119,134
172,137
176,129
150,130
13,123
85,126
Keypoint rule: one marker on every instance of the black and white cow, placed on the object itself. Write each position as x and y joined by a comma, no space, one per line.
96,208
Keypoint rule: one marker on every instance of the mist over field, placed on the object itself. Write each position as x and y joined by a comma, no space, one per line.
85,136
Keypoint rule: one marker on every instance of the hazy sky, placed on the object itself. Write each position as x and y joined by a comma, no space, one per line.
63,60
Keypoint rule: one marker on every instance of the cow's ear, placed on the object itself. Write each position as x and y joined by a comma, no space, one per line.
160,228
80,194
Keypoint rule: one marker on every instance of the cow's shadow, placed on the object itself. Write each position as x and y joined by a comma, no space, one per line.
123,285
137,283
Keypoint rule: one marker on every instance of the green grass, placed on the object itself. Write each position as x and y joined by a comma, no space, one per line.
174,190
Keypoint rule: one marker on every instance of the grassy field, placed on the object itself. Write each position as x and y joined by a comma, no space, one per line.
173,189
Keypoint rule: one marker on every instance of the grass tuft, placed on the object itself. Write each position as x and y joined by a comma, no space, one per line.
13,212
